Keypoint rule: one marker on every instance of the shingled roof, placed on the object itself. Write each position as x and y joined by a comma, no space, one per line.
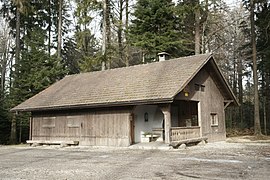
157,82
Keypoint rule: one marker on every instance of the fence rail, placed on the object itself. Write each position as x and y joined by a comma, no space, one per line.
182,133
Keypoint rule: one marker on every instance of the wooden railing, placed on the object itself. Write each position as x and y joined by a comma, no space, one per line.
182,133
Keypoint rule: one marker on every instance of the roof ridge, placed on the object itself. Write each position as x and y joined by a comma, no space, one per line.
138,65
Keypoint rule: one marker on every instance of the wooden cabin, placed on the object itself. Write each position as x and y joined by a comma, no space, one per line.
169,101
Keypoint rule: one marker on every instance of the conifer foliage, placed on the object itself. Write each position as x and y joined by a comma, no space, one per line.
156,29
34,67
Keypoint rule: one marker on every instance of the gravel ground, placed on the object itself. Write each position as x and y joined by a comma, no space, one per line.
211,161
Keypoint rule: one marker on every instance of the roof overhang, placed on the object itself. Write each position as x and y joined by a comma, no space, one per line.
96,105
219,77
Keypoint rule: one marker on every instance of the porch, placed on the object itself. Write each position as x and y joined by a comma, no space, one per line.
178,136
179,121
186,135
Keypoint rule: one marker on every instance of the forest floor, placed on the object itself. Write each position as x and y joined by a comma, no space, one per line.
238,158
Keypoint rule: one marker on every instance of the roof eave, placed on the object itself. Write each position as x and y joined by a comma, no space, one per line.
218,71
225,83
95,105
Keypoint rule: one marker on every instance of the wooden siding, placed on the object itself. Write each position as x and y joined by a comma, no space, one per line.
211,101
97,128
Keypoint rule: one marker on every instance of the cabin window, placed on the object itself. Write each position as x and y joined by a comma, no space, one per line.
202,88
48,122
214,119
197,87
73,122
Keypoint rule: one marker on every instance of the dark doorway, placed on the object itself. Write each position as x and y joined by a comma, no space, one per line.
187,113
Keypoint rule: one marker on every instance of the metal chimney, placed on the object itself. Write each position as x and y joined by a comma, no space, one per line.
163,56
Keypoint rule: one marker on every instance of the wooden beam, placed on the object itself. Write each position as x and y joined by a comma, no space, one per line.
227,104
68,142
166,110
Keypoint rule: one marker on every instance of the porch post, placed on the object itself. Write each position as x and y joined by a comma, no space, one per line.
166,110
200,118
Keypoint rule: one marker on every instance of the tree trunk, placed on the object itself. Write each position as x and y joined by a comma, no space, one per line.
120,32
266,91
240,93
250,113
203,46
257,126
49,29
267,103
127,41
18,25
13,133
234,88
105,34
4,63
197,27
59,39
108,33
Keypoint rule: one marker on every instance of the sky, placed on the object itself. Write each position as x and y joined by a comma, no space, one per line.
232,2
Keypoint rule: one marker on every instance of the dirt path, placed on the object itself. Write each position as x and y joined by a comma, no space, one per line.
212,161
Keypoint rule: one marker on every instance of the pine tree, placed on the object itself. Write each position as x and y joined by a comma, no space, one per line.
156,28
88,58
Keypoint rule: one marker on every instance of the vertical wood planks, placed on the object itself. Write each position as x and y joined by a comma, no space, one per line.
101,127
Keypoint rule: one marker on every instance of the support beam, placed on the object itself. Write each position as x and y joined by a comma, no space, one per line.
227,104
166,110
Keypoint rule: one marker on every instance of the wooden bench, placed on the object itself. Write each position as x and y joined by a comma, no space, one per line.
175,144
149,137
42,142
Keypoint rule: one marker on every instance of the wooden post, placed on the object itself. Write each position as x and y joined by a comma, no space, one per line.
131,124
20,132
200,117
166,110
30,128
